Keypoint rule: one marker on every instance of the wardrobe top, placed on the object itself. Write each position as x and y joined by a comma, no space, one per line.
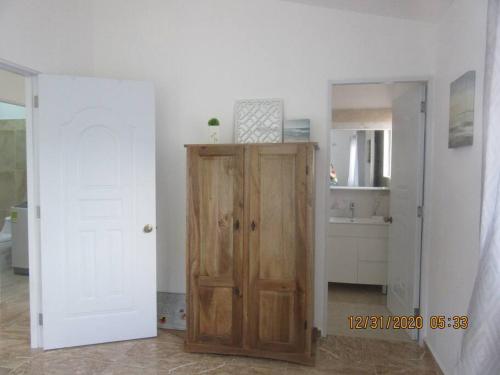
315,144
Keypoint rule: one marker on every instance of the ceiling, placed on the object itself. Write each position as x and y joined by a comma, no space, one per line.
420,10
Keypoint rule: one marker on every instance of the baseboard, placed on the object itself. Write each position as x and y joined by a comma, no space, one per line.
436,359
171,310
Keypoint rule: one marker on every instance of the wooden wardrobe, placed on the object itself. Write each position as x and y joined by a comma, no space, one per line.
250,254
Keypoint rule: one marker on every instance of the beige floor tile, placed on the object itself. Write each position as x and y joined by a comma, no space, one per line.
338,354
346,300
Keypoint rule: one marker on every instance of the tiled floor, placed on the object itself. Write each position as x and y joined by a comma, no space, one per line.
164,354
346,300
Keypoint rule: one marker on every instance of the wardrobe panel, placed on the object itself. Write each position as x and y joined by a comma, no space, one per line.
216,192
277,217
216,313
277,248
215,245
276,316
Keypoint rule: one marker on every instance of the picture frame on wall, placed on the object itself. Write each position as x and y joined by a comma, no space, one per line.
462,97
298,130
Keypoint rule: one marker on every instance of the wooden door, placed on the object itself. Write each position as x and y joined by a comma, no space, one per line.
215,242
279,251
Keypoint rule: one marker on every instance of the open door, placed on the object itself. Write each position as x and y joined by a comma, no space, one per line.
405,232
97,206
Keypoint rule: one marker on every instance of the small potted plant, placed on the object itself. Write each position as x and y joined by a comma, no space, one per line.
213,130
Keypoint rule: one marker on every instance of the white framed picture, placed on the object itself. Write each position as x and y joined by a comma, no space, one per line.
258,121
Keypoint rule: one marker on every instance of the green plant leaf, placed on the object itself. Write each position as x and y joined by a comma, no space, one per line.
213,122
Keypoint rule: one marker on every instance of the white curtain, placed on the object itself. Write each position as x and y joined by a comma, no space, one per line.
480,354
353,178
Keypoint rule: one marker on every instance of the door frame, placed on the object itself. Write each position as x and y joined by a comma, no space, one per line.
35,281
425,176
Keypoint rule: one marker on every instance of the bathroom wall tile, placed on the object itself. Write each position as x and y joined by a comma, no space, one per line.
7,190
21,149
12,164
5,258
3,214
20,181
12,124
7,150
366,203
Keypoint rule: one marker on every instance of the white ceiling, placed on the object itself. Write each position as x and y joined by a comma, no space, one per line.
421,10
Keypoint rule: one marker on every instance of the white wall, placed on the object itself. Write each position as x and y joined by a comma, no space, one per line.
202,55
453,205
52,36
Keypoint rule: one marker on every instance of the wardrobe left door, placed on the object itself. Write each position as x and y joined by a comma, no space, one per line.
215,247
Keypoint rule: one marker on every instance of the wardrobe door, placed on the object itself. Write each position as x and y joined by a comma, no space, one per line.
279,255
215,204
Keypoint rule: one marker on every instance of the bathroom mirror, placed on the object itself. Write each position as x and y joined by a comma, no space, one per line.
360,158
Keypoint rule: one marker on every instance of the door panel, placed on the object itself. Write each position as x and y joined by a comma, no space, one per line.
277,212
216,312
403,273
216,214
277,248
97,191
342,260
272,305
215,245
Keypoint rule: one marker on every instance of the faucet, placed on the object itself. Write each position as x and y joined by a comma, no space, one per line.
351,208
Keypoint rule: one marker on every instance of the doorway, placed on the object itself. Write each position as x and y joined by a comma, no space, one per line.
14,258
375,197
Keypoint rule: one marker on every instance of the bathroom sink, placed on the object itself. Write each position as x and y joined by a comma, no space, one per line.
375,220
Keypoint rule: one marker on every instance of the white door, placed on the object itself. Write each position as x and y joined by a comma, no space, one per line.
408,130
97,194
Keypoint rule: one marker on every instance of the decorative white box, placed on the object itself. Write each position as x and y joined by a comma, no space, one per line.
258,121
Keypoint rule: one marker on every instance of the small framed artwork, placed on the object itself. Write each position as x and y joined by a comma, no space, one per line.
462,96
258,121
297,131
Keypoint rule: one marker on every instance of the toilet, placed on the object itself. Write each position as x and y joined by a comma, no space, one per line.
6,245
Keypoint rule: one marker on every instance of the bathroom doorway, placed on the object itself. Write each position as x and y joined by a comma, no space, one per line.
375,197
14,260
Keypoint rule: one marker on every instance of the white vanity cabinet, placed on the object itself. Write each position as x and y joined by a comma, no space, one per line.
357,253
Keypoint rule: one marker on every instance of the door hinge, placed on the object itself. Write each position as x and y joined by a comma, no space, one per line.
40,319
423,106
38,212
420,211
416,311
305,324
35,101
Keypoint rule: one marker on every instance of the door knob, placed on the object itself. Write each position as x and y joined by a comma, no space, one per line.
388,219
148,228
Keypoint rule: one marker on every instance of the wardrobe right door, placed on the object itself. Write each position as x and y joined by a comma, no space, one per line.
279,254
